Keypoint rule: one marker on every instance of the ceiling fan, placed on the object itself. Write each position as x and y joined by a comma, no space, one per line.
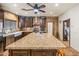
35,8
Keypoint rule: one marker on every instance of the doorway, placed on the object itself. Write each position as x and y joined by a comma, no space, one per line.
50,27
66,31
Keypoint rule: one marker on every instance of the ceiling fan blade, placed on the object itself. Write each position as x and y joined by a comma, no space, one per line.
30,5
42,6
27,9
42,11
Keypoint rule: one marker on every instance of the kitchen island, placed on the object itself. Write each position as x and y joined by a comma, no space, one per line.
36,44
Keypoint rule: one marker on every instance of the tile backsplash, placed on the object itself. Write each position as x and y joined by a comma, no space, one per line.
9,26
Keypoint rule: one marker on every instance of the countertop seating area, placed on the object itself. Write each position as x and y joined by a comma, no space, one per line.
36,44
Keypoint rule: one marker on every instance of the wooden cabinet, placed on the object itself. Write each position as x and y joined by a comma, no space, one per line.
29,22
9,39
20,53
17,38
10,16
2,44
42,21
55,28
25,33
33,52
6,15
25,22
39,23
1,14
1,47
43,52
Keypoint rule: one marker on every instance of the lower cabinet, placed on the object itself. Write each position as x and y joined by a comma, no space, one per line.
41,52
2,45
9,39
17,38
20,53
21,36
25,33
36,52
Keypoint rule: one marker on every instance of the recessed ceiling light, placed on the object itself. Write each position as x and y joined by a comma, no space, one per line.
15,5
56,4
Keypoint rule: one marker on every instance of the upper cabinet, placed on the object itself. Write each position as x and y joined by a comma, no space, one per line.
9,20
29,21
39,24
10,16
1,14
25,22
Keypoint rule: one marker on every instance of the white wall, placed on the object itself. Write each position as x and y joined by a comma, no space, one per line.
73,14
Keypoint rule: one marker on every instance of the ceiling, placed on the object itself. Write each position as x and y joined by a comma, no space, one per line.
51,8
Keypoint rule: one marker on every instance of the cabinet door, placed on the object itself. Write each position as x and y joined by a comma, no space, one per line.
1,14
20,53
21,22
1,47
41,22
29,22
9,39
45,52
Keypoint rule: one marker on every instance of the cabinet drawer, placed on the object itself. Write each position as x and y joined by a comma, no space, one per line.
1,47
20,53
9,40
33,52
43,52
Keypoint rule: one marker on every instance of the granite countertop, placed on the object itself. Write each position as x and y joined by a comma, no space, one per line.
37,41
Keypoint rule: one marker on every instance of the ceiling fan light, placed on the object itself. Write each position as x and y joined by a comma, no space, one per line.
36,10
